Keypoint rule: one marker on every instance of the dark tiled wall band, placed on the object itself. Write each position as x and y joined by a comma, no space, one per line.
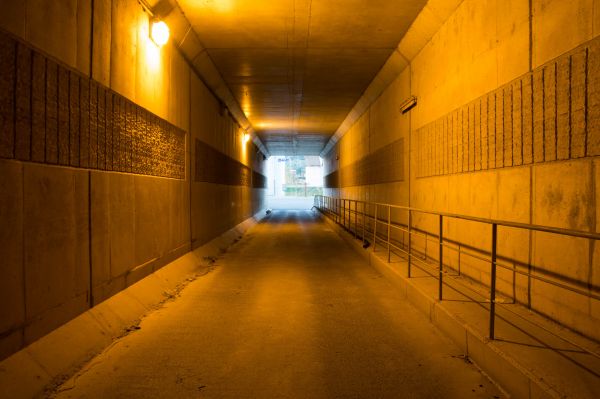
552,113
258,180
385,165
212,166
52,114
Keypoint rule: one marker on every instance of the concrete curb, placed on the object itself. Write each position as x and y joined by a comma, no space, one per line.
513,378
53,358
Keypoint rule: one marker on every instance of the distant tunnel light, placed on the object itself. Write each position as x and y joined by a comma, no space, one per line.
159,33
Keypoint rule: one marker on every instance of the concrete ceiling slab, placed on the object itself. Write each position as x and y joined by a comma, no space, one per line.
297,67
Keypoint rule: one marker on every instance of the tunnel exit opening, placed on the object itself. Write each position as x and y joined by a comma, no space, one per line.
293,181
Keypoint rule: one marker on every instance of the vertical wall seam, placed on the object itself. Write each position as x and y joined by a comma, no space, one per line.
45,107
544,114
585,107
530,35
531,179
480,139
503,124
57,124
14,104
532,119
487,113
592,246
189,152
531,236
556,110
91,299
512,126
69,128
521,108
23,254
90,250
495,165
31,107
92,5
409,139
570,117
110,50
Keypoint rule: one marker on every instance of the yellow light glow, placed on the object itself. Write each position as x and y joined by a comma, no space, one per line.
223,5
246,138
152,57
159,33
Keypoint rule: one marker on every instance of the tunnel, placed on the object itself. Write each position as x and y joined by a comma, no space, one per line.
437,231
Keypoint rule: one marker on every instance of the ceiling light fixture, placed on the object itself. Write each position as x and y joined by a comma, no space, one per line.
159,32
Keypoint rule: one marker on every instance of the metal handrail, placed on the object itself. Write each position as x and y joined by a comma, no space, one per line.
342,211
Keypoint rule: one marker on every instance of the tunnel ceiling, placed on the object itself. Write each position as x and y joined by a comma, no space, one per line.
297,67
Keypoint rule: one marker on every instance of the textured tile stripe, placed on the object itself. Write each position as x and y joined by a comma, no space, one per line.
386,165
258,180
212,166
552,113
54,115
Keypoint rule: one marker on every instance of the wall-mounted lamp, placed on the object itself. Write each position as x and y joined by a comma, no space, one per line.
159,32
246,137
408,104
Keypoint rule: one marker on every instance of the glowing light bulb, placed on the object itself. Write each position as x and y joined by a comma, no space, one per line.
159,33
246,138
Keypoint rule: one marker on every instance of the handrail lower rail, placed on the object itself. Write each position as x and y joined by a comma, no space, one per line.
346,212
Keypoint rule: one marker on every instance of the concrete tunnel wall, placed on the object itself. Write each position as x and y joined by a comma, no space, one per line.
506,127
74,233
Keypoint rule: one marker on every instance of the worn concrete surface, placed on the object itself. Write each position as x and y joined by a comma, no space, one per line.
530,357
290,311
45,363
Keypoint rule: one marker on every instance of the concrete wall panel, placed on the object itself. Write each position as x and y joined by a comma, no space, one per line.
124,36
12,288
559,26
122,221
100,225
53,26
566,203
102,41
151,218
56,245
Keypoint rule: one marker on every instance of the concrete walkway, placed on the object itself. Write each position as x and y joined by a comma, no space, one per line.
288,203
290,312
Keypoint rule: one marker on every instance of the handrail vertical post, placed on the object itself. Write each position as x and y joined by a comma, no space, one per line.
353,231
389,232
344,212
409,242
375,229
335,210
441,259
355,218
493,280
349,204
364,215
